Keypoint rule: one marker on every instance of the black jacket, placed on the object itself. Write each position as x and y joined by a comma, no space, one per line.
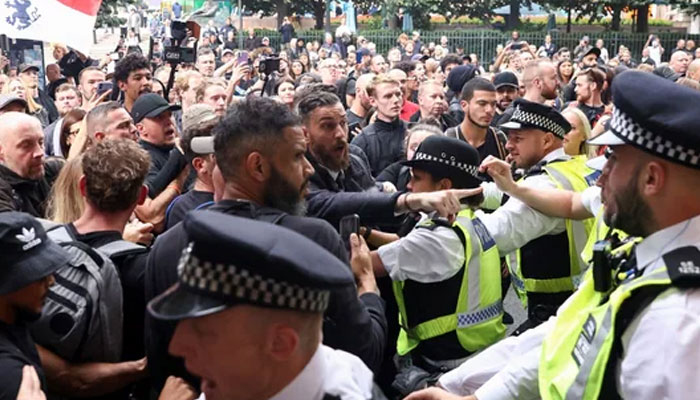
356,325
17,349
382,142
166,164
359,194
30,196
446,120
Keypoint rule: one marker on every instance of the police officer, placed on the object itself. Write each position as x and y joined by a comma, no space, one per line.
543,252
27,264
446,275
250,317
634,334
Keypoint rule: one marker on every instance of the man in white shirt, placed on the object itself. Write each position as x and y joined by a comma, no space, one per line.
649,191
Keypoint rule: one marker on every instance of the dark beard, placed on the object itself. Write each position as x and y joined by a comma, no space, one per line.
25,316
330,161
633,213
281,195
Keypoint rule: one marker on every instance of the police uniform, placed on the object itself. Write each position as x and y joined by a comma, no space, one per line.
637,339
449,297
266,266
543,253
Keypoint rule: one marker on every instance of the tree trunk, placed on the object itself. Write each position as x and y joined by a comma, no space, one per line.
319,13
514,17
568,16
616,18
282,9
643,18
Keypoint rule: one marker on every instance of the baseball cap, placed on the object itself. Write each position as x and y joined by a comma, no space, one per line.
28,255
150,105
226,51
27,67
505,78
197,114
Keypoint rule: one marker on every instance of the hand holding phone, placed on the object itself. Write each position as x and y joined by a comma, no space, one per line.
103,87
349,224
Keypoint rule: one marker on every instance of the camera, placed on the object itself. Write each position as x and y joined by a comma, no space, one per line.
269,64
177,52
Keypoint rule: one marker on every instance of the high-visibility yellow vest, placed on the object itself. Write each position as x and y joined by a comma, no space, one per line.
473,305
569,175
574,361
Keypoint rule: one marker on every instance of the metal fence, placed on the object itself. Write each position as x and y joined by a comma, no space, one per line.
483,42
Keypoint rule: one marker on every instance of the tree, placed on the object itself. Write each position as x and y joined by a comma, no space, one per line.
107,16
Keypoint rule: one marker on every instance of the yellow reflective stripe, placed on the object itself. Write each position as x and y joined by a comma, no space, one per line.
554,285
434,327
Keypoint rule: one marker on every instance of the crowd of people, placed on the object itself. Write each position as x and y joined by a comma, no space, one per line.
322,221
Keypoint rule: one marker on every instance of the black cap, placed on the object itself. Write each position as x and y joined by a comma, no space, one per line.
453,157
27,67
459,76
28,255
150,105
592,50
505,78
664,125
528,115
233,261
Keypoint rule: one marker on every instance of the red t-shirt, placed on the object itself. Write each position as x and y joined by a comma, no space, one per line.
409,108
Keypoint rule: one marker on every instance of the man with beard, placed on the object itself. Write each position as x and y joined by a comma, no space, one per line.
29,260
478,100
649,191
507,91
342,184
382,141
26,176
587,61
541,83
589,88
360,105
133,76
262,173
433,106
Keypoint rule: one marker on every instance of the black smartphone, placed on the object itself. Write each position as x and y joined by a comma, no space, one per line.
349,224
103,87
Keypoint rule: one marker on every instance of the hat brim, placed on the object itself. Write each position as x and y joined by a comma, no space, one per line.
157,111
607,138
15,100
202,145
597,163
30,67
513,85
44,262
178,303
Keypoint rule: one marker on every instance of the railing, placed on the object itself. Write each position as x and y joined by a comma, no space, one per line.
483,42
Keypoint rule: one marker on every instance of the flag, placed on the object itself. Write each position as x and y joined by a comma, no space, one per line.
65,21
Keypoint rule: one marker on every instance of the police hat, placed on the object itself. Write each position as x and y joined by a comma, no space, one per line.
664,124
28,255
455,158
235,261
150,105
538,116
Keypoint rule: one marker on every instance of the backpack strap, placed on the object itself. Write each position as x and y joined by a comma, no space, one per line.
120,248
501,139
60,234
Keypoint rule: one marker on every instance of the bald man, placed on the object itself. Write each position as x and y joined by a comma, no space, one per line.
679,62
25,176
694,70
361,104
541,84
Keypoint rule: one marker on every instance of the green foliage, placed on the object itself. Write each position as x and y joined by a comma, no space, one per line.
107,16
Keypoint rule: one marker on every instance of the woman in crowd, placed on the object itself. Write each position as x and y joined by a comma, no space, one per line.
565,71
16,87
285,91
70,126
575,141
297,69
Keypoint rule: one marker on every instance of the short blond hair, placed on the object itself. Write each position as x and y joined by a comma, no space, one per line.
380,79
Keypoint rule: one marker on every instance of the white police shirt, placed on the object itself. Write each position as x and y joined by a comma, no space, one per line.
433,255
329,372
660,346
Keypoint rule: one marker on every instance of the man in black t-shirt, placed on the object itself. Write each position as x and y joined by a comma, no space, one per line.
478,101
589,85
28,262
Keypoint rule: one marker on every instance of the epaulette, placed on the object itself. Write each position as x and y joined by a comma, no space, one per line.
683,266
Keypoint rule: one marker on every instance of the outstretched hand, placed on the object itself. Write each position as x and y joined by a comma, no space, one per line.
444,202
500,171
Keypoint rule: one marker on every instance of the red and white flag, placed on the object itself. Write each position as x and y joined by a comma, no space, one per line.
65,21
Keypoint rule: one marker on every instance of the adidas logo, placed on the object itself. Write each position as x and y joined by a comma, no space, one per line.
28,236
